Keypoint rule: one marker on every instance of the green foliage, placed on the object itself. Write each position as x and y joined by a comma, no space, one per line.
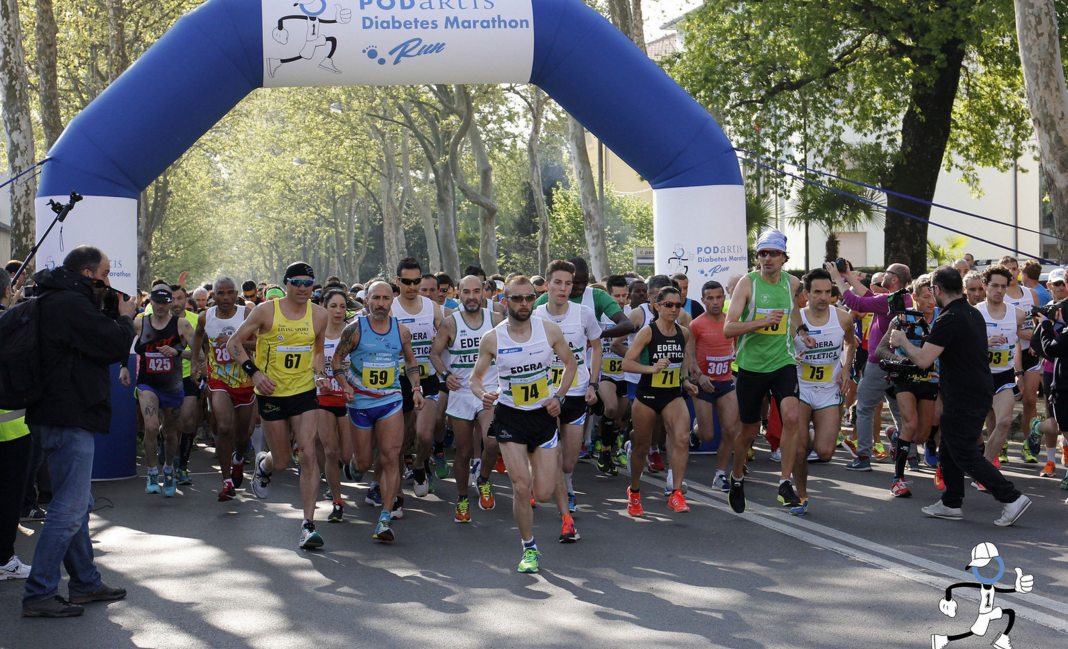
952,248
834,212
628,223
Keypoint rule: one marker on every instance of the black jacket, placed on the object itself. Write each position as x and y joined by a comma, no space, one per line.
1053,345
78,346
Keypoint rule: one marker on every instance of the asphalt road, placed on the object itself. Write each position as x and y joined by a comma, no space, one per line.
862,569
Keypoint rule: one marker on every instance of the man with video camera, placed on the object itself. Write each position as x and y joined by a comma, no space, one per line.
79,342
958,341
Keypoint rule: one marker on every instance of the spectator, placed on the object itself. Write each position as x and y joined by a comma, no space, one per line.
16,446
962,266
79,343
970,259
1029,275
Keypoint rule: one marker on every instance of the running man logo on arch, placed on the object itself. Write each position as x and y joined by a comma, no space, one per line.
988,568
396,42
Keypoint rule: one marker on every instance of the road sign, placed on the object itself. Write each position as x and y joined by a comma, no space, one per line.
643,256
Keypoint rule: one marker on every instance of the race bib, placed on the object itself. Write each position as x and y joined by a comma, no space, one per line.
157,363
222,354
529,390
669,377
816,373
424,370
558,374
997,358
719,365
378,375
293,356
612,366
775,329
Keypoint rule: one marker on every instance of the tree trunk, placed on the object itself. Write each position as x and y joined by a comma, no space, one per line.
426,214
365,221
151,210
1047,97
117,58
592,216
537,108
487,210
392,213
924,134
831,247
18,130
445,198
47,64
637,24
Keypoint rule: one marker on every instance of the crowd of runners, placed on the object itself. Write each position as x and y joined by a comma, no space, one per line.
369,383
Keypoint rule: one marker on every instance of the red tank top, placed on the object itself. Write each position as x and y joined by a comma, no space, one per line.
714,352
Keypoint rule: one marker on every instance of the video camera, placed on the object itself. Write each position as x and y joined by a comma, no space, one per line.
896,303
1048,311
899,369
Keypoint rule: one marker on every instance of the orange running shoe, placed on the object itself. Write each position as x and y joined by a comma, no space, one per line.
568,531
997,463
533,504
656,463
499,466
677,502
462,513
938,482
634,503
1048,470
485,496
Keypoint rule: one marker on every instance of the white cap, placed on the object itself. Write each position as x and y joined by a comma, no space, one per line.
1056,275
982,554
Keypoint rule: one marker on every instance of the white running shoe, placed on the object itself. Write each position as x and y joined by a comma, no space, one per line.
776,455
1012,511
261,480
813,456
938,510
14,569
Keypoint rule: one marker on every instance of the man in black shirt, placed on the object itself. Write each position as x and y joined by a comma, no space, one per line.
958,341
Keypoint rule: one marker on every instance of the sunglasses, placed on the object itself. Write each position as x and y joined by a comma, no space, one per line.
302,283
769,253
524,297
670,305
409,282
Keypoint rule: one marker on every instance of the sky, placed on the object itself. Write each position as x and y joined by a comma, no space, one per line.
658,12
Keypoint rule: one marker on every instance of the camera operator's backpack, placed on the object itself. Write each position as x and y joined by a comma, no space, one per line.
21,376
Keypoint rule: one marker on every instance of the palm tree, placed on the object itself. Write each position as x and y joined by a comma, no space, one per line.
758,217
953,248
834,212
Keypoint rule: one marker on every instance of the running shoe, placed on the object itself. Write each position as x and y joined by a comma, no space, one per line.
976,485
656,463
374,496
533,503
841,439
309,538
997,462
35,515
485,496
736,495
750,454
228,493
605,464
237,471
261,479
1048,471
572,502
14,569
529,563
622,456
338,514
182,477
346,470
720,481
169,488
879,452
597,447
397,513
463,515
939,483
409,466
930,456
813,456
584,453
449,438
938,510
1064,481
677,502
1004,454
776,455
441,467
800,510
476,470
634,503
498,466
429,480
1030,450
787,495
900,489
850,445
914,462
383,531
568,531
859,464
153,484
421,487
1011,512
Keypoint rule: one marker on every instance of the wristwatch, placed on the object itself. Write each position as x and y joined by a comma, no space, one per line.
445,375
560,397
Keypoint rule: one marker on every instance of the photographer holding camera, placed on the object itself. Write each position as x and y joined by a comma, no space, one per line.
872,387
1051,341
78,344
958,341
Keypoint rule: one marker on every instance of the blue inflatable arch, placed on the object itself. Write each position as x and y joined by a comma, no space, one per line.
220,52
